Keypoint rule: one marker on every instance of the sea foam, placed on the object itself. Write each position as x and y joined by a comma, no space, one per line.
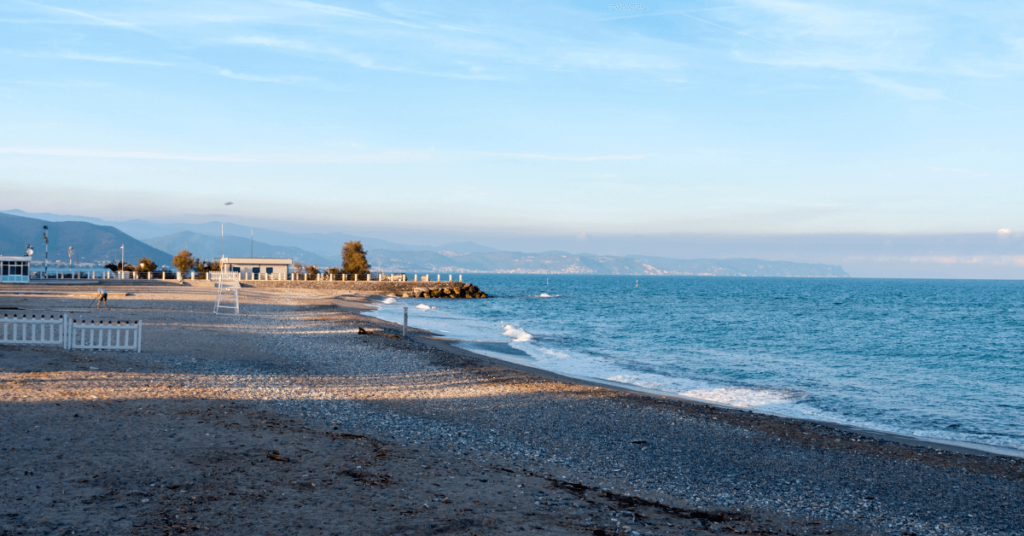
518,335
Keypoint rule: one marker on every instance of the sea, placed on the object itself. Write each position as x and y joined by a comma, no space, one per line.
936,359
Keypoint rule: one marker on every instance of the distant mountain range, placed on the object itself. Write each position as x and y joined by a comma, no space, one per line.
93,244
209,247
101,240
559,262
324,244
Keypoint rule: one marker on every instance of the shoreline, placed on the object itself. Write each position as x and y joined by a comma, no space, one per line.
448,344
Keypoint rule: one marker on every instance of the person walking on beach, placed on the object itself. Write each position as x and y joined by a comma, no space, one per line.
102,298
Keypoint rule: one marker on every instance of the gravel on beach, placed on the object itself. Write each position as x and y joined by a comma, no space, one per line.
413,436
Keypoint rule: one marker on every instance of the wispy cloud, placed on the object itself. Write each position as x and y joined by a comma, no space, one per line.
369,157
360,60
93,19
254,78
802,34
615,60
910,92
566,158
59,83
379,157
79,56
968,172
820,20
275,42
344,12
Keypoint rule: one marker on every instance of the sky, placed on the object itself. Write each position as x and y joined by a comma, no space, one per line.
573,119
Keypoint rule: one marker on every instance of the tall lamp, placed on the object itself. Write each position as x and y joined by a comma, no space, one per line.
28,253
46,261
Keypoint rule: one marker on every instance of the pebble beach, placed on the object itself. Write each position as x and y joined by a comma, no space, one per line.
287,420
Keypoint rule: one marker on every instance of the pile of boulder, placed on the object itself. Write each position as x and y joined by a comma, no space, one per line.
458,290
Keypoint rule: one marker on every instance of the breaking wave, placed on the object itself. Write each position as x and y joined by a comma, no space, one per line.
516,334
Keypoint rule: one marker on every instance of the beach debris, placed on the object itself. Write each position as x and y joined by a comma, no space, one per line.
276,456
364,332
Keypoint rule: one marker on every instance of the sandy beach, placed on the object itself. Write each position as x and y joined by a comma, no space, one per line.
287,420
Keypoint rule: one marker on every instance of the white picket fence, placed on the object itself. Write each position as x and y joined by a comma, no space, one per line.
110,335
25,329
69,333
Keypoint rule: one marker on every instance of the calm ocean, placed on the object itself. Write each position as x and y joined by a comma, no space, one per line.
931,358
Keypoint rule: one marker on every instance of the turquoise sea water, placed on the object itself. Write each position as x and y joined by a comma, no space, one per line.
933,358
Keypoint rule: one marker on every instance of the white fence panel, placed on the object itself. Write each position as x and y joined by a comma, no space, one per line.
25,329
101,335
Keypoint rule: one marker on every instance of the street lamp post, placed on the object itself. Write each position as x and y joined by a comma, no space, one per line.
122,261
46,260
71,253
28,253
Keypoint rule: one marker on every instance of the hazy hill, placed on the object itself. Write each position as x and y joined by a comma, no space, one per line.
326,245
737,267
93,243
209,247
556,262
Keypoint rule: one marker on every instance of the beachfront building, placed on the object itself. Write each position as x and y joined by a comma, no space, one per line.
14,269
251,268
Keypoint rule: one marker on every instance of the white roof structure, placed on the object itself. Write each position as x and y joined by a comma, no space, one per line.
254,261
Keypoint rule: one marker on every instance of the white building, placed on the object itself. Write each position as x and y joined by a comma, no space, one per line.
14,269
250,268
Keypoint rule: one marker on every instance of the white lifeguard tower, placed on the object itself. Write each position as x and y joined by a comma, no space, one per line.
228,285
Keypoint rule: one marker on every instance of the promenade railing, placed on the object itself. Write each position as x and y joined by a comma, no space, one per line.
194,275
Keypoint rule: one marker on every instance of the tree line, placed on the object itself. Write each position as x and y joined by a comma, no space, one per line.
353,262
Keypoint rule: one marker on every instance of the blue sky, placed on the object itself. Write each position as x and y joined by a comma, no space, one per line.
737,117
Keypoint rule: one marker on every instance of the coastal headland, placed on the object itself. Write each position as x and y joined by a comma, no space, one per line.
287,420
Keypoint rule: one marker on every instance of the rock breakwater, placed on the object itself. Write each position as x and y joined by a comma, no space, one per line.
405,289
454,291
